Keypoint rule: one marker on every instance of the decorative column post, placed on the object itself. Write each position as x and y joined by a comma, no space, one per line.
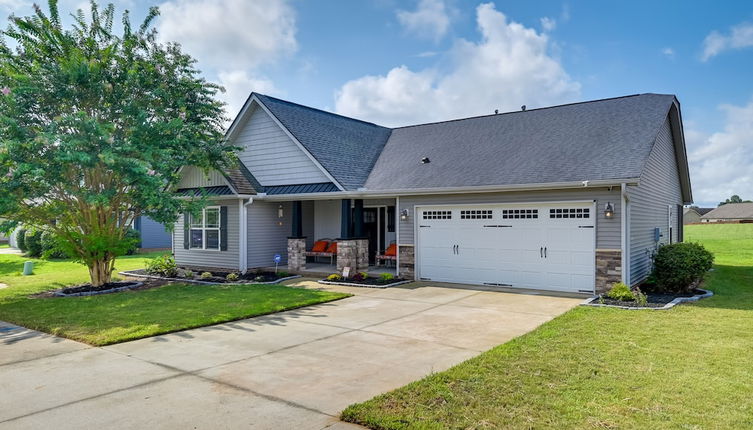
296,241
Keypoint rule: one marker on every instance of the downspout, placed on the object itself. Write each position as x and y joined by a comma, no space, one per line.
243,231
625,236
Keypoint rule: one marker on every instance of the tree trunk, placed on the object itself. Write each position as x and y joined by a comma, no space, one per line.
100,271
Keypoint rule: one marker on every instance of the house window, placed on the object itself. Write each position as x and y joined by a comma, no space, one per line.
520,213
437,214
570,213
205,229
476,214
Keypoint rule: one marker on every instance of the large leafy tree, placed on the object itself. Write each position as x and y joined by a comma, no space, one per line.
734,199
94,127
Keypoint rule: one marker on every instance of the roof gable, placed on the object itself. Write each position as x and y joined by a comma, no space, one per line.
731,211
347,148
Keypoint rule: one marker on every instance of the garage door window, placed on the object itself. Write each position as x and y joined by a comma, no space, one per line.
570,213
476,214
437,214
520,213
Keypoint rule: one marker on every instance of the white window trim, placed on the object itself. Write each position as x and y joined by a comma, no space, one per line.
204,229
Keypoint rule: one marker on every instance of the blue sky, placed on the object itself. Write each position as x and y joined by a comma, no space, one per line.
400,62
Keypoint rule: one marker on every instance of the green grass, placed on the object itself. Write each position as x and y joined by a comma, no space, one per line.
4,245
113,318
687,368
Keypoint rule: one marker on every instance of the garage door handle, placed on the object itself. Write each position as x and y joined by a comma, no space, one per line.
585,226
545,252
541,252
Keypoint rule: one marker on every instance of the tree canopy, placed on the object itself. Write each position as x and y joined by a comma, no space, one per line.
94,127
734,199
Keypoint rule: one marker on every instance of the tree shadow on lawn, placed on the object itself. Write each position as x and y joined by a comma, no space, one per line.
16,268
732,287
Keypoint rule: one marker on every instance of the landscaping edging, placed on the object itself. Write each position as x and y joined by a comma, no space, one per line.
196,281
353,284
94,293
677,301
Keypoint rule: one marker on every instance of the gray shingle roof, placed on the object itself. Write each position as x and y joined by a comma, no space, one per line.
347,148
731,211
598,140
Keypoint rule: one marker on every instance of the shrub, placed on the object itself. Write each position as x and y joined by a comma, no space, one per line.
51,247
640,298
260,278
335,277
132,236
620,291
163,265
21,239
679,266
34,243
188,274
205,275
232,277
386,277
360,276
282,274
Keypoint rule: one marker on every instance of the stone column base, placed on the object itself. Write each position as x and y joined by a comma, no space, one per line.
407,262
296,254
608,269
353,253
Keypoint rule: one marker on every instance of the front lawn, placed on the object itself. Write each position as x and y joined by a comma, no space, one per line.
113,318
689,367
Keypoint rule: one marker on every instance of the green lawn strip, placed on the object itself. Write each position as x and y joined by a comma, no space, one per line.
4,245
53,274
605,368
112,318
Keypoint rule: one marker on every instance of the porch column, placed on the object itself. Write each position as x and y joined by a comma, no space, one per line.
345,219
296,241
297,222
358,219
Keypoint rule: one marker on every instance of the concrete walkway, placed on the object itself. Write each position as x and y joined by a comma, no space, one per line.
295,369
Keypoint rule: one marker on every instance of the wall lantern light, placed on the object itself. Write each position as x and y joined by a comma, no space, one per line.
404,215
280,214
609,211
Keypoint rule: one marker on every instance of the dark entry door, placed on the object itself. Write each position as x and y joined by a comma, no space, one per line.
371,230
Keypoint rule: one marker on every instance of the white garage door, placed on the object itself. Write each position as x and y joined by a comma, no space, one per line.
539,246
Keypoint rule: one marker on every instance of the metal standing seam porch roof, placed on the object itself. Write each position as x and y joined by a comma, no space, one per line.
605,139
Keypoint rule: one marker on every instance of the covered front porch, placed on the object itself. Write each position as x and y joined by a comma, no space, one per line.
329,236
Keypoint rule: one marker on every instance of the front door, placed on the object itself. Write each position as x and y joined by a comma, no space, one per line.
371,230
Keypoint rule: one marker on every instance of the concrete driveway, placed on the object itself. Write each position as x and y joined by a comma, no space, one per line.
295,369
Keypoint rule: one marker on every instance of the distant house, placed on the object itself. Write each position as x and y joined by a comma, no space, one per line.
693,215
731,212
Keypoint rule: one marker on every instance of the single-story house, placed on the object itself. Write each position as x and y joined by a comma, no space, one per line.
730,212
692,215
567,198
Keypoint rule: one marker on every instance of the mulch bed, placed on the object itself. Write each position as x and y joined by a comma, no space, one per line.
370,281
140,284
655,300
220,277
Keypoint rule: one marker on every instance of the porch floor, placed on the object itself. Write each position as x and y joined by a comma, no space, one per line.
331,268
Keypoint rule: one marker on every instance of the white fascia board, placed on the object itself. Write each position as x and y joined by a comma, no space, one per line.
447,190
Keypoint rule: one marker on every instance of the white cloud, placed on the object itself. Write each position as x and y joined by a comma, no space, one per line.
430,19
668,52
232,39
739,37
720,162
510,66
12,5
239,84
548,24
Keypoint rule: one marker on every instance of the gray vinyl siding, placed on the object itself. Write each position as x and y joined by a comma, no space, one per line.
272,156
193,177
607,230
266,237
205,258
154,234
653,203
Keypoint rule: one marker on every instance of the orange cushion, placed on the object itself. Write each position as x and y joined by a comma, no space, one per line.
320,246
391,250
332,248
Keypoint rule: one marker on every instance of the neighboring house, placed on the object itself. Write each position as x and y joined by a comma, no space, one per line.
730,212
568,198
153,234
693,215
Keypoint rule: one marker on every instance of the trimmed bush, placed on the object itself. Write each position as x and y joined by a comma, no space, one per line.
680,266
134,238
620,291
34,243
163,265
386,277
232,277
51,246
21,239
205,275
335,277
